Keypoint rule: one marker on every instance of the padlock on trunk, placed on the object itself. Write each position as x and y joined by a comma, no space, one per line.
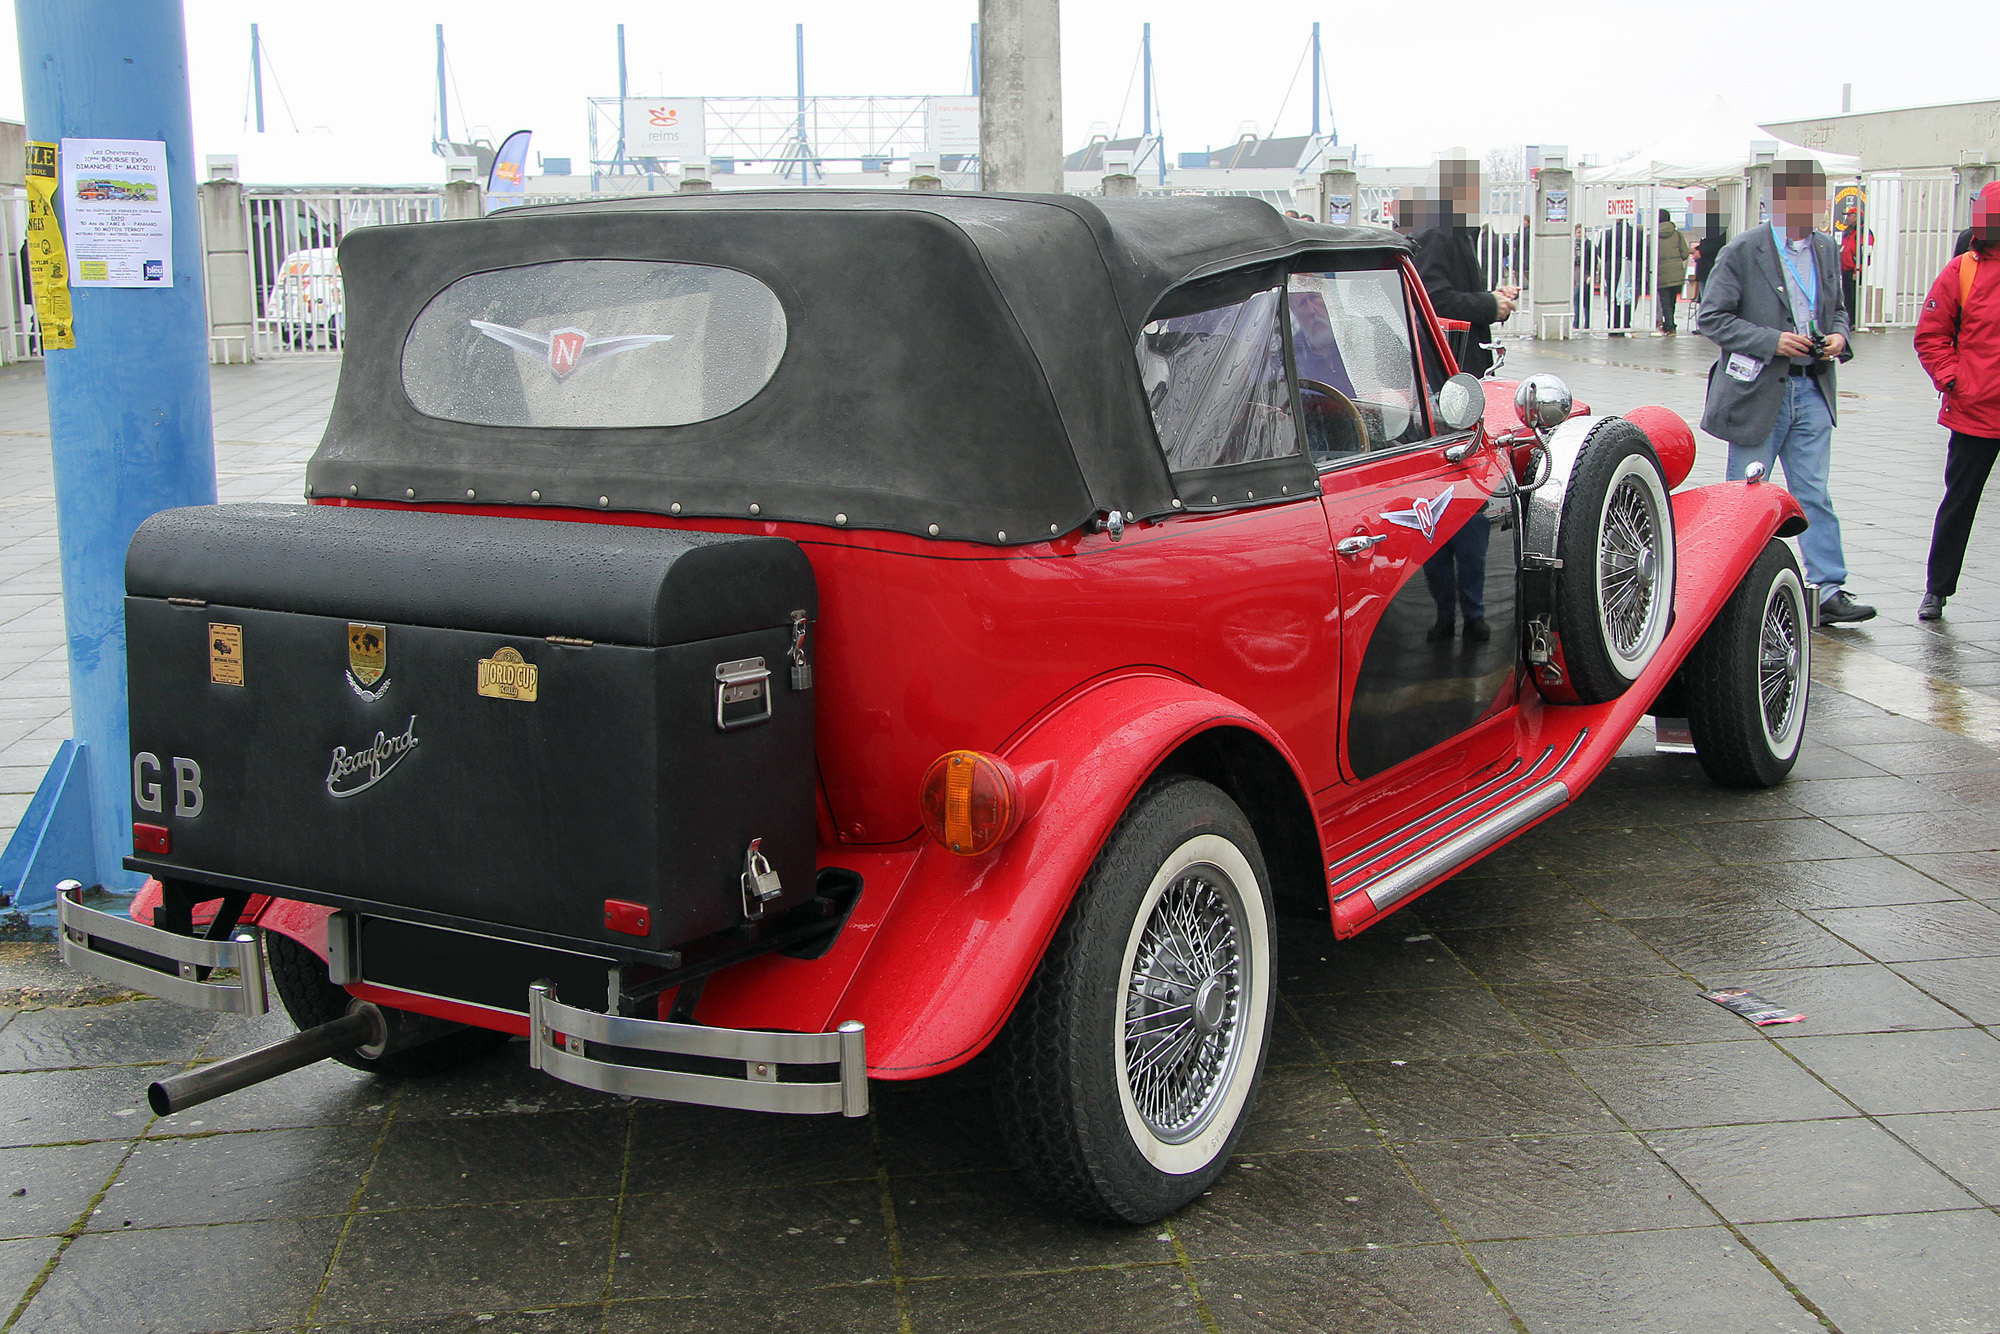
760,882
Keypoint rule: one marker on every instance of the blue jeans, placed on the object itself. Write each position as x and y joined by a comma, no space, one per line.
1803,441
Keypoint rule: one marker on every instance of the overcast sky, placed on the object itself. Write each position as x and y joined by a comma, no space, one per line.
1406,80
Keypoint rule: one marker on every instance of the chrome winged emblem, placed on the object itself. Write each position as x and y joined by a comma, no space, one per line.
1423,515
566,351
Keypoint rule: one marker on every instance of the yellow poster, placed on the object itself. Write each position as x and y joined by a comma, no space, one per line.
48,269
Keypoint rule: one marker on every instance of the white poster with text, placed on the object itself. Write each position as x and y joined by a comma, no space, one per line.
118,217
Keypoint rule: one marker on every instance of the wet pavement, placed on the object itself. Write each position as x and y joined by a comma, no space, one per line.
1505,1109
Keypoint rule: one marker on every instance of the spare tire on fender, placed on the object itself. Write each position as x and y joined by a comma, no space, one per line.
1614,535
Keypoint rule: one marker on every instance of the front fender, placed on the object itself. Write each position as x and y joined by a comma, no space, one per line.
965,935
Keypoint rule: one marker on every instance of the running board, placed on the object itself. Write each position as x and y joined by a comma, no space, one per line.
1438,842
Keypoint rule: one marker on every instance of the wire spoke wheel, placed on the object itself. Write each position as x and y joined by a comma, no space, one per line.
1183,1019
1131,1062
1780,662
1628,566
1748,683
1614,537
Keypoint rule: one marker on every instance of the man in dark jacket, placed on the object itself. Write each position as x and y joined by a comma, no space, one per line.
1448,262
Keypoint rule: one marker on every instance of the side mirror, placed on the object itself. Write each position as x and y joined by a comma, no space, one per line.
1542,402
1461,402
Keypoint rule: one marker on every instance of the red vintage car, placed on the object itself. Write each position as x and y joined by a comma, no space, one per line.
752,644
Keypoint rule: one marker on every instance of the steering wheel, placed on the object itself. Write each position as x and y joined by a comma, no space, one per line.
1333,424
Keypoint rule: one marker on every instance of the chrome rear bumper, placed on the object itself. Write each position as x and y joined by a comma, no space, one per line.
558,1038
83,932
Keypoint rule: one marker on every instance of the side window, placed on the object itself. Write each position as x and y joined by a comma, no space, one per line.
1358,380
1216,384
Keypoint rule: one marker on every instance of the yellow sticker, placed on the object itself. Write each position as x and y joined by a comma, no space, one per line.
367,652
225,654
506,675
94,270
48,267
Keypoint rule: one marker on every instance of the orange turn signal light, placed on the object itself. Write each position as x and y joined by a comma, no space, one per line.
970,800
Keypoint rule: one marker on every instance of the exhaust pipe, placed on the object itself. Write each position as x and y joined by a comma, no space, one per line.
366,1028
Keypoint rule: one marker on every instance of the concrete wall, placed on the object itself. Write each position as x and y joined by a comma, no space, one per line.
1935,136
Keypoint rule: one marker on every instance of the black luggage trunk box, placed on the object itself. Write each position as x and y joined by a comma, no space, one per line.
506,723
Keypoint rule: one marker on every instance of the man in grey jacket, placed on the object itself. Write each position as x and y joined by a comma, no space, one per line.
1773,307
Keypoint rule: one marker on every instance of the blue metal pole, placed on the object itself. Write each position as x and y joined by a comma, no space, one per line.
618,164
975,60
444,115
257,74
129,420
805,164
1146,85
1315,80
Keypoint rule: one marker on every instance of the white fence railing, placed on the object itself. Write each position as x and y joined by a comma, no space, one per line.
20,335
1910,222
294,236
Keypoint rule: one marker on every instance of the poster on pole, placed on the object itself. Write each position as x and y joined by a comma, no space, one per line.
48,273
121,227
666,127
951,125
1340,208
1555,206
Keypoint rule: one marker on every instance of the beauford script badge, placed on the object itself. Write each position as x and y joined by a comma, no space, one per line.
566,351
367,660
1423,515
356,771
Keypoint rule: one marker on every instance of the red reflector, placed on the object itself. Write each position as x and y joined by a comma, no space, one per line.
632,919
151,838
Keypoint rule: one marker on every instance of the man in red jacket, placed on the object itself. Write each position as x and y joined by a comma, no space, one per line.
1958,341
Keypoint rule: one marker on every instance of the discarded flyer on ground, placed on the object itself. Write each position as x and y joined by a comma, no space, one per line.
1752,1006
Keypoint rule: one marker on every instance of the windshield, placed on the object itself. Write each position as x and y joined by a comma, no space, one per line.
594,343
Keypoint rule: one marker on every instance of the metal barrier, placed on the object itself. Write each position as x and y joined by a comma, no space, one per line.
20,334
1909,220
294,236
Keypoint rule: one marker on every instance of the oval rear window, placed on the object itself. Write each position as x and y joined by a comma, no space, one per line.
594,343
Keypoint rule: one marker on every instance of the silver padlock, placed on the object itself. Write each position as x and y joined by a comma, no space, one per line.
802,672
760,882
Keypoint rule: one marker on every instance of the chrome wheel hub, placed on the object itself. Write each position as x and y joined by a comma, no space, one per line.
1779,658
1184,1020
1628,566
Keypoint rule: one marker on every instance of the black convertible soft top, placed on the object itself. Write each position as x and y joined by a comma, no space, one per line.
958,365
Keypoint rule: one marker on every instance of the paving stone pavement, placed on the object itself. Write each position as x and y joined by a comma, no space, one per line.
1504,1109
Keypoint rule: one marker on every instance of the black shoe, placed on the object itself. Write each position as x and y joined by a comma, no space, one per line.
1476,631
1931,608
1842,607
1442,631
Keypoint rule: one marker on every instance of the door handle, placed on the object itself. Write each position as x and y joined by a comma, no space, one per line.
1356,545
1462,451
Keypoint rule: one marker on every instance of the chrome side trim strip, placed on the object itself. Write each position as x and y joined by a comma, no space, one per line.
1388,842
1531,781
79,927
1414,874
557,1035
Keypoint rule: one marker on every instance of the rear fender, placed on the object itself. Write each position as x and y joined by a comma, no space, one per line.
966,933
303,922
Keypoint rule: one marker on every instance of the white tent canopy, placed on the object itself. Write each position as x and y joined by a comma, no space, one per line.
1711,148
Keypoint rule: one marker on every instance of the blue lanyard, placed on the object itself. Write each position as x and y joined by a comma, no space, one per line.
1811,294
